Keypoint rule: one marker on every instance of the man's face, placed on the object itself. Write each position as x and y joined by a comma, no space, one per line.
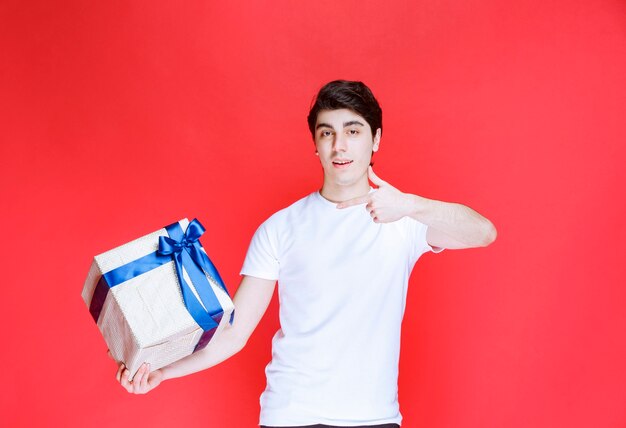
344,143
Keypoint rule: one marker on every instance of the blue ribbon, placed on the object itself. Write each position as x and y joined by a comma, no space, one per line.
186,251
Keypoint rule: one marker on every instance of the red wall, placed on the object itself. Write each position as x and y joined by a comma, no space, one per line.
120,117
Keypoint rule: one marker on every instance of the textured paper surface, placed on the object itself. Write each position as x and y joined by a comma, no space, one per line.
144,319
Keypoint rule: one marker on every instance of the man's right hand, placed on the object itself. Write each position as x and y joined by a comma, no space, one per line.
251,300
144,380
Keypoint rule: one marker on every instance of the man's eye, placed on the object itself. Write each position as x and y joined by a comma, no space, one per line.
325,133
353,131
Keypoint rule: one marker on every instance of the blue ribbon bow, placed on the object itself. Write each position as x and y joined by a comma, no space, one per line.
186,252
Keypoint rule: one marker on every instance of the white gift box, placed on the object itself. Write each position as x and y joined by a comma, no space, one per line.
144,318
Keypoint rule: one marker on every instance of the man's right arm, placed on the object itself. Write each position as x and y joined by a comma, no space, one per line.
251,301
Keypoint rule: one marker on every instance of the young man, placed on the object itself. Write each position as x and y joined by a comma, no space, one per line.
342,256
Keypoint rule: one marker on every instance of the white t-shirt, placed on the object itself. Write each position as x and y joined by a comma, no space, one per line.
342,282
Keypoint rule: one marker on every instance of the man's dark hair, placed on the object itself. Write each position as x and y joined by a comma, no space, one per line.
351,95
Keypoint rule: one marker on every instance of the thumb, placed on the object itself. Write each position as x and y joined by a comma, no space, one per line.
374,178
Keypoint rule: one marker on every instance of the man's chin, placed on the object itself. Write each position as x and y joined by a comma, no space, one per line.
343,182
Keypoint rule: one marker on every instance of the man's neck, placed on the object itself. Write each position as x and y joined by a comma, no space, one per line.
338,193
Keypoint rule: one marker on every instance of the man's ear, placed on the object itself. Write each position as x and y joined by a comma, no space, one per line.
376,140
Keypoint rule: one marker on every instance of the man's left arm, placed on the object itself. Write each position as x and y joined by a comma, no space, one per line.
450,225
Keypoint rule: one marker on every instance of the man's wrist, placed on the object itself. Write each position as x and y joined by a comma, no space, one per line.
166,373
417,205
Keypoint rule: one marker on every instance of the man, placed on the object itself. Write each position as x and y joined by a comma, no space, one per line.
342,257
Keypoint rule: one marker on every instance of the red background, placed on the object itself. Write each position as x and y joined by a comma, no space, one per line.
120,117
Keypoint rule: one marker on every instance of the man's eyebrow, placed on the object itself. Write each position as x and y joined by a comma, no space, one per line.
345,124
352,122
323,125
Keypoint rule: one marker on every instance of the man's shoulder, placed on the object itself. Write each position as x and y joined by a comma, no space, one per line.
289,213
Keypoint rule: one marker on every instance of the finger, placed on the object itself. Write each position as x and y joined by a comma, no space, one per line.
141,373
144,380
355,201
374,178
125,382
120,370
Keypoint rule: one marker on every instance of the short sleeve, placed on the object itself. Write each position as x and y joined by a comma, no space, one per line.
418,242
262,259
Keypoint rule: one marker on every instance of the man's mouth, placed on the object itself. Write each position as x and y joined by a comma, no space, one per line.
342,162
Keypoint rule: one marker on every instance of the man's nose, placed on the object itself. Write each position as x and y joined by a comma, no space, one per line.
340,144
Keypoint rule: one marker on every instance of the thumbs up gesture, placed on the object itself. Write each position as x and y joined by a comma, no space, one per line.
386,204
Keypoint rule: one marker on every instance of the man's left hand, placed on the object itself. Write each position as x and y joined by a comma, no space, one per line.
386,204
